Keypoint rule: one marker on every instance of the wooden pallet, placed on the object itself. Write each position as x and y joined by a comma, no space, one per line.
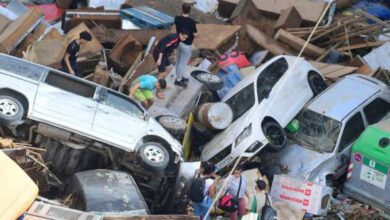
147,18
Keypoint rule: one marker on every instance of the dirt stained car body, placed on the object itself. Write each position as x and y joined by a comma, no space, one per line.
84,126
268,98
329,125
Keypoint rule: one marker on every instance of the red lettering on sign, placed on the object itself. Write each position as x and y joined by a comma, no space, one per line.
305,202
308,192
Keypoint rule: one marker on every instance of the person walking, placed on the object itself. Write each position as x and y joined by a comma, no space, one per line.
68,62
185,47
142,89
207,175
236,188
165,47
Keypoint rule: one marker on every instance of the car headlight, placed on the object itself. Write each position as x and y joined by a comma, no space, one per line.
244,134
254,147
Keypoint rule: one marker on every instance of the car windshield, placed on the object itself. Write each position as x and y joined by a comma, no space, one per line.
317,132
242,101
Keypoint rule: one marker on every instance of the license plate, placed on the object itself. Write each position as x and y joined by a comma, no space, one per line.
373,176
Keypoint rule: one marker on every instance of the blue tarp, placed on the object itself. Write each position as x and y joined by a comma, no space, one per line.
230,79
147,18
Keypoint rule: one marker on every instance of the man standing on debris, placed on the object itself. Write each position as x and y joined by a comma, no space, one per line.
165,47
69,64
185,47
142,89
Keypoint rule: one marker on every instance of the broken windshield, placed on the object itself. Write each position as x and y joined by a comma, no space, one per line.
242,101
317,132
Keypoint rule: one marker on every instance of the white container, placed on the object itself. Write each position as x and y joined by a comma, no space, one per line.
301,194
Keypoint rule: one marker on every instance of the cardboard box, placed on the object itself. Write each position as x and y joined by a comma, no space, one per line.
302,194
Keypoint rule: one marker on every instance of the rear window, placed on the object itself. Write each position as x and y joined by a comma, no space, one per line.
21,67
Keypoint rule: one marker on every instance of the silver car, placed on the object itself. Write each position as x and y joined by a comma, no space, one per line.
79,114
328,126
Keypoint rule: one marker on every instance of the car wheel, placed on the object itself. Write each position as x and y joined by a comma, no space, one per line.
153,156
317,83
211,81
275,135
174,125
11,110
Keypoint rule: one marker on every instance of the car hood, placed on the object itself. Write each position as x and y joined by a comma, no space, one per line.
226,137
300,161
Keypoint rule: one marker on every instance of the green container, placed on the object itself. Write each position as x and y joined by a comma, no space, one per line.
372,142
293,126
368,178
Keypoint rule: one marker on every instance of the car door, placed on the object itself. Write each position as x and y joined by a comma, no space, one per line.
66,101
352,130
119,119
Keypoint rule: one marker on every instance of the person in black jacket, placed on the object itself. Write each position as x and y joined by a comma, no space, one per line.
69,64
185,48
165,47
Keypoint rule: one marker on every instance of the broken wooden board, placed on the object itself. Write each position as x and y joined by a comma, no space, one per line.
53,34
91,47
212,36
46,52
4,21
91,17
267,42
289,18
246,9
115,35
18,29
298,43
333,72
123,55
31,38
309,10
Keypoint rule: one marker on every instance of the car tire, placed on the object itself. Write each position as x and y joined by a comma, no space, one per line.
174,125
153,156
211,81
273,130
317,83
11,110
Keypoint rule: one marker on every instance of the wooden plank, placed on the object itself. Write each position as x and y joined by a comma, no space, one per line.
212,36
18,29
310,11
298,43
289,18
363,45
267,42
333,71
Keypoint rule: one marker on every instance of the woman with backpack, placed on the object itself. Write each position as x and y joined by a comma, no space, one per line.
236,189
203,189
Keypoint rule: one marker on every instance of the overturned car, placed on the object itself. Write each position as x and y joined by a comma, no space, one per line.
264,103
85,126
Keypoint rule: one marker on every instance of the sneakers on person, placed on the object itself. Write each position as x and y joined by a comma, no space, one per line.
181,83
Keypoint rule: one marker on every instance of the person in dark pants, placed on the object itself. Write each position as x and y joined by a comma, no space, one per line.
185,47
165,47
69,64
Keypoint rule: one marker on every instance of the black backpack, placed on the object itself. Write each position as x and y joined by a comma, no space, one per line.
197,189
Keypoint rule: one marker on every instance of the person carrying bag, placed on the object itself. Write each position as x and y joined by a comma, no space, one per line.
227,203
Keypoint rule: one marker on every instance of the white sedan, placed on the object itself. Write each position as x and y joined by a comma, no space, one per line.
263,104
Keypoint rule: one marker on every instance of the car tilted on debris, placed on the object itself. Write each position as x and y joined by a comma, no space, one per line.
83,125
328,126
263,103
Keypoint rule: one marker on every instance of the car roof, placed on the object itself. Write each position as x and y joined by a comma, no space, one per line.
339,100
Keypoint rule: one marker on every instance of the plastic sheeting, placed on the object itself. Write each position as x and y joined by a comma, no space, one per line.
207,6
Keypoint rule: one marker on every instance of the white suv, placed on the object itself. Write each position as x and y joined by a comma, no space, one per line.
77,114
264,103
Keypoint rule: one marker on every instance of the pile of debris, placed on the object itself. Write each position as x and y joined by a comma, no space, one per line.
245,81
